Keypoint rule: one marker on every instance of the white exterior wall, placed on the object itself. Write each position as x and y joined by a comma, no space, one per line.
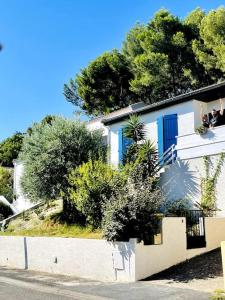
96,124
156,258
189,144
21,203
101,260
185,112
192,145
182,180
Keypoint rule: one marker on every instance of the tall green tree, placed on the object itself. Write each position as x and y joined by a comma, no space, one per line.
167,66
166,57
210,48
10,148
103,86
132,44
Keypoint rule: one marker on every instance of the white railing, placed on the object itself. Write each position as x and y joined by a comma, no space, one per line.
168,157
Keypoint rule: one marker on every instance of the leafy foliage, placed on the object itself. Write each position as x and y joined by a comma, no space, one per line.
90,186
131,211
10,148
210,48
177,207
208,185
142,154
6,184
134,129
201,130
132,207
46,120
167,65
163,58
5,211
143,159
51,151
6,190
218,295
103,86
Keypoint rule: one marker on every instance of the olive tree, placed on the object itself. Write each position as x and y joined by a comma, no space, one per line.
51,151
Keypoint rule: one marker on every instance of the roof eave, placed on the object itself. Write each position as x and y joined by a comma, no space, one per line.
212,91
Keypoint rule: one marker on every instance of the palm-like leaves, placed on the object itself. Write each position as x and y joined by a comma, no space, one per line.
135,129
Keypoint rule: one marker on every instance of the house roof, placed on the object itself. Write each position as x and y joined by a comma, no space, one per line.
205,94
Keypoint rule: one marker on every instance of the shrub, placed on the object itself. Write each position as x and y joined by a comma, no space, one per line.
10,148
218,295
208,184
177,207
135,129
90,186
131,211
201,130
5,211
51,150
143,159
6,184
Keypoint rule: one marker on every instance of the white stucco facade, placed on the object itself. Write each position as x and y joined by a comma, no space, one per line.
182,179
21,202
189,144
186,123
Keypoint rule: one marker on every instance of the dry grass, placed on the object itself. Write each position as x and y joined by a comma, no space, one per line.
41,222
48,228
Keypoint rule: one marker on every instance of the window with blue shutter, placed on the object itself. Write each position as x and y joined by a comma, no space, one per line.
124,144
160,136
170,130
120,146
167,132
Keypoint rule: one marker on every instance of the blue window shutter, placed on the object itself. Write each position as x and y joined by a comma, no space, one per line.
120,145
124,143
160,136
170,130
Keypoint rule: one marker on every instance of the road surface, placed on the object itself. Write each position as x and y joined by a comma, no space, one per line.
27,285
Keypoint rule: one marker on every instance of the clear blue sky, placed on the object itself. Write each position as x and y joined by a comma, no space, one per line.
46,42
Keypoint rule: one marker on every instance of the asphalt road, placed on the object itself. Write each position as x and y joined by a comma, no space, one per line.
27,285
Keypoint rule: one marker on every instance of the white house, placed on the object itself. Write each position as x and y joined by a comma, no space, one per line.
173,122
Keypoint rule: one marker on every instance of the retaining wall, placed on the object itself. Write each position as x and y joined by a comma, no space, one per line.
101,260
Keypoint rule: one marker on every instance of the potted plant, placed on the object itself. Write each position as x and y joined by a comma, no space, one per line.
201,130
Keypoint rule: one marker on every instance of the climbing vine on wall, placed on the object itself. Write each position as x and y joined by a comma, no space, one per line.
208,184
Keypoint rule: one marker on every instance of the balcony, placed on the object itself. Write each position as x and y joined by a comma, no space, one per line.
195,145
